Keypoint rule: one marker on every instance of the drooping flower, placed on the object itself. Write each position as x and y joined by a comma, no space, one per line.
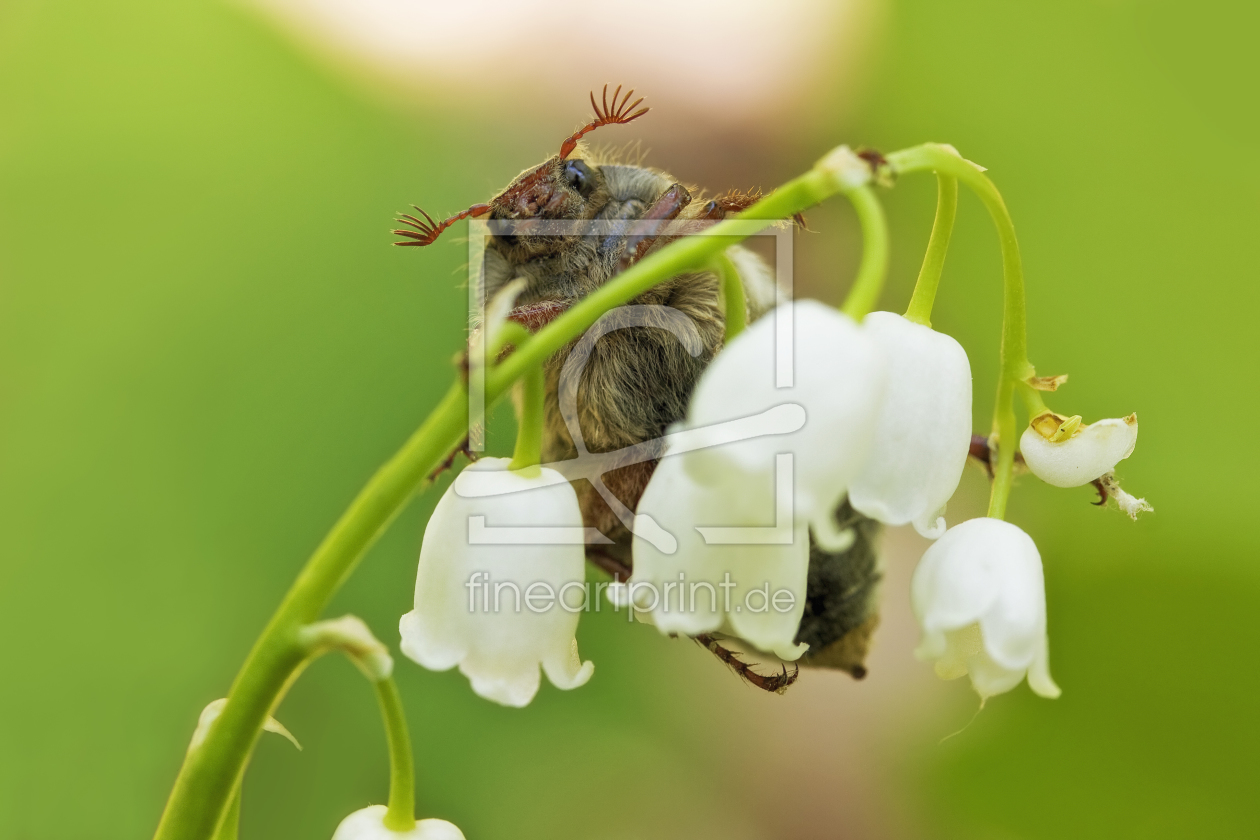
369,824
979,595
837,374
1065,453
712,568
500,566
920,443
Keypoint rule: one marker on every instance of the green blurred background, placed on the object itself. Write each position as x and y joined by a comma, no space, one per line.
207,346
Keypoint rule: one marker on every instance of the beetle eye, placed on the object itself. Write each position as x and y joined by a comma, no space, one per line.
578,174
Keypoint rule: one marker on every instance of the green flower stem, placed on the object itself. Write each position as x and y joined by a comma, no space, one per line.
920,309
529,432
401,815
1034,403
1015,367
203,789
732,296
230,828
1006,425
507,334
210,772
874,267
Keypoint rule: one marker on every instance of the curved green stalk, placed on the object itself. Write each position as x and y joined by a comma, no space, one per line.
203,789
1034,403
529,431
733,300
874,266
924,296
401,815
510,333
1015,367
210,772
230,828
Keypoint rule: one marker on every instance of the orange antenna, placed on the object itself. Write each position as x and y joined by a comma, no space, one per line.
427,230
618,114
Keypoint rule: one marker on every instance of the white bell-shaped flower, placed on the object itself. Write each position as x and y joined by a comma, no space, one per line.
920,443
1064,456
500,583
837,374
714,568
369,824
980,599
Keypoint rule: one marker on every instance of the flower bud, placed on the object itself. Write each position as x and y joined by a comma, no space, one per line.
1066,453
369,824
980,599
492,588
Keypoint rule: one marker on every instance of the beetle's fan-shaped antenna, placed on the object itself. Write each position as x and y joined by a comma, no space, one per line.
427,230
618,114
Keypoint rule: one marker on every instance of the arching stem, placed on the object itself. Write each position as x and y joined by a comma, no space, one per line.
920,309
732,296
401,815
1014,367
874,266
529,429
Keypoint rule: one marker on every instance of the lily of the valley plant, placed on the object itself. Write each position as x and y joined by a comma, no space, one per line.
884,427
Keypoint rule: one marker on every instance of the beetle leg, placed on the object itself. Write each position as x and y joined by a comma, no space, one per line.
773,683
426,230
643,233
733,202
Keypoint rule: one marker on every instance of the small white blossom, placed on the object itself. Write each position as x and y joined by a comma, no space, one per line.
1083,455
502,559
749,584
979,595
838,378
920,444
369,824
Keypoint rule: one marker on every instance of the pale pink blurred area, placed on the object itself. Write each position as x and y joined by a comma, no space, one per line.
738,63
738,90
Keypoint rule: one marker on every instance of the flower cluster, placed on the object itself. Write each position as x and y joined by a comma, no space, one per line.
886,423
887,404
880,411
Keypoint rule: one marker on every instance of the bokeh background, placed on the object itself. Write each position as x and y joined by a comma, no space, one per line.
207,345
